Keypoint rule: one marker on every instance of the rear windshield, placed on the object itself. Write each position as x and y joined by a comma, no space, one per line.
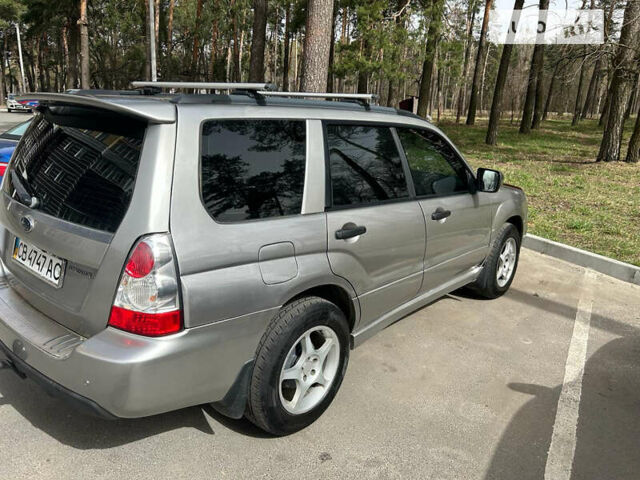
81,166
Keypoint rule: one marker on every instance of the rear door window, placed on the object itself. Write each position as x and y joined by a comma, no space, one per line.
252,169
79,168
365,165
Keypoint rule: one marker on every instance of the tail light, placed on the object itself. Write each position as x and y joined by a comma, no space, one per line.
147,301
3,169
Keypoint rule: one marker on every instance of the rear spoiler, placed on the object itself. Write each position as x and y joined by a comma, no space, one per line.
152,111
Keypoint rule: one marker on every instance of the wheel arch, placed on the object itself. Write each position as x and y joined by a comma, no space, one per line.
516,221
334,294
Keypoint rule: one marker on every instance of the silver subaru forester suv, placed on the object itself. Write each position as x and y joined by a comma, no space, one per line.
165,250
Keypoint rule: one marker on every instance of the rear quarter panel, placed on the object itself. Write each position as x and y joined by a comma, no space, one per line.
231,270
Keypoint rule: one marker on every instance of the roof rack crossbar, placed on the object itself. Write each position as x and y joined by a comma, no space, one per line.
366,98
206,85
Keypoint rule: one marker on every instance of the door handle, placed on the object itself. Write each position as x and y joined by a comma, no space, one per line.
350,231
440,214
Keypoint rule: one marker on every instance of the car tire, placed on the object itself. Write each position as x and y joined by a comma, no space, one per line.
9,110
299,366
500,265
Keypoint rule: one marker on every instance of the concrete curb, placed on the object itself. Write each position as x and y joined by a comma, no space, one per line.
608,266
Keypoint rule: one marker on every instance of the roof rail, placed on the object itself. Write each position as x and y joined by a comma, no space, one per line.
365,98
206,85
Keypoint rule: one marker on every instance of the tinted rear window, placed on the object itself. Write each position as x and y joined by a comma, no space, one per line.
82,175
252,169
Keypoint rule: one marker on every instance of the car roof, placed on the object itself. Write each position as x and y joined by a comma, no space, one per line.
160,108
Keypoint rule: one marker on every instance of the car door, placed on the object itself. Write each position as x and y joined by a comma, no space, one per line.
376,229
458,221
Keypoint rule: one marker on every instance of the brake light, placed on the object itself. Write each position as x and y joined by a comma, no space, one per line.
140,262
147,301
3,169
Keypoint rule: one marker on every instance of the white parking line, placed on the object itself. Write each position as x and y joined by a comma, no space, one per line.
563,440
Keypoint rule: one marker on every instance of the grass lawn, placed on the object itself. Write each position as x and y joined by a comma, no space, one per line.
572,199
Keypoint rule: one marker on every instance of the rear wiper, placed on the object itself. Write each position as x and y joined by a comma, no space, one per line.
23,194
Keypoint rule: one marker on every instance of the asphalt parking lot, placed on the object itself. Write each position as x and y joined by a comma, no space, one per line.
8,120
545,379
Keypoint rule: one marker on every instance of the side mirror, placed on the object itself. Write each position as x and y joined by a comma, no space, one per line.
488,180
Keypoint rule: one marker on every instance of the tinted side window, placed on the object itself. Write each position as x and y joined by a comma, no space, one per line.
252,168
365,165
435,167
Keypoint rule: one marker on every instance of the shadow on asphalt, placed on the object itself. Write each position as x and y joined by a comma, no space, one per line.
242,425
62,422
59,420
609,414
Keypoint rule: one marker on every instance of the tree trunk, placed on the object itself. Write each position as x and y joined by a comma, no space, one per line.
332,48
465,66
591,90
274,56
501,78
73,52
196,41
287,35
392,91
343,38
552,82
539,100
363,75
156,23
633,153
590,106
576,111
172,4
621,83
439,93
484,73
236,45
84,46
604,115
168,60
214,49
37,65
529,99
240,51
147,42
537,62
632,98
437,8
296,67
2,62
46,85
473,100
317,43
259,29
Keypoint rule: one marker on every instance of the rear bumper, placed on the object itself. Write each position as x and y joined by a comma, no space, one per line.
118,374
54,389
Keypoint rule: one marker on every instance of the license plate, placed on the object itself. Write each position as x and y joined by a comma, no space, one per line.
42,264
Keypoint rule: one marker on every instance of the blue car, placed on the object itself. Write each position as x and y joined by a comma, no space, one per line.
8,142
